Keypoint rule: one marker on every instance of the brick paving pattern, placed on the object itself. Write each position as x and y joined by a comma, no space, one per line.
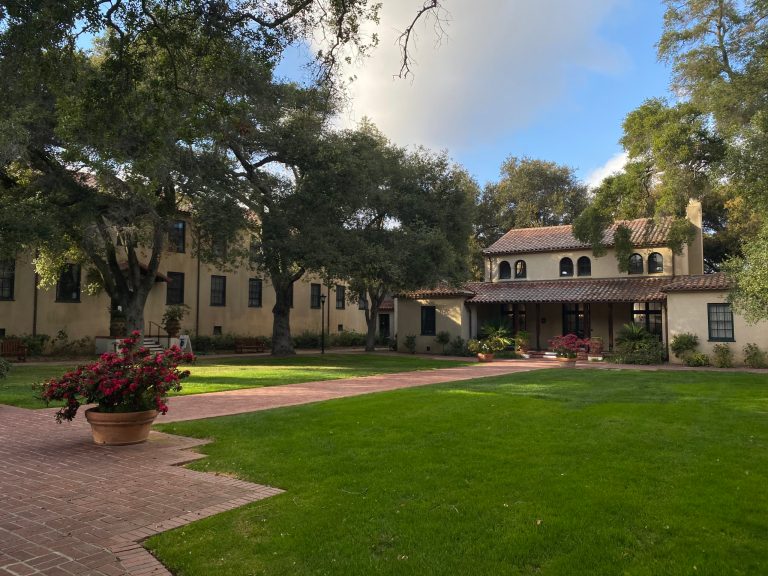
69,507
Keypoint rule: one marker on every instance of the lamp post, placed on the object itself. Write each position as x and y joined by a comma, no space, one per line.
322,323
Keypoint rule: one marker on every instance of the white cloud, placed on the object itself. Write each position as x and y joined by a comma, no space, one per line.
614,164
500,65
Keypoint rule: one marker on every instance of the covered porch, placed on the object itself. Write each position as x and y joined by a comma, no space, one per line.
589,308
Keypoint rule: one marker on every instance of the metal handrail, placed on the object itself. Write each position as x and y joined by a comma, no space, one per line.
151,323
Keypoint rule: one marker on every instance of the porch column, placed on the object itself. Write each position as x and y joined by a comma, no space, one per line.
538,326
610,326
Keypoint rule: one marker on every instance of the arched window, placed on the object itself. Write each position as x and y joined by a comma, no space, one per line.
505,270
520,269
566,267
635,264
655,263
584,266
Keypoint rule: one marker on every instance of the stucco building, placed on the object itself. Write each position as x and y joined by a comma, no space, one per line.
235,301
548,283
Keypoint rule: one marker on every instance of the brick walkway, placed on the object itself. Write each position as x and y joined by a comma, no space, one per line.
71,507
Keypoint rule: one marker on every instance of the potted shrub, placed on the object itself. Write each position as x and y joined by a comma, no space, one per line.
172,318
494,339
567,348
129,387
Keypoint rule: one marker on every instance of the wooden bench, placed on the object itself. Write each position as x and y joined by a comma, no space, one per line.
13,348
249,345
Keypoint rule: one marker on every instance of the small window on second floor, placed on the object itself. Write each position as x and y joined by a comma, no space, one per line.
655,263
254,292
635,264
341,297
68,287
521,270
505,270
7,279
177,237
584,266
362,302
566,267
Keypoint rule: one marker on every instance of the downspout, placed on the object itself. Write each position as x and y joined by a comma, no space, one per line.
34,306
197,300
666,329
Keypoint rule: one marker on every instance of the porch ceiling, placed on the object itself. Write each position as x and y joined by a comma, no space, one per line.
570,291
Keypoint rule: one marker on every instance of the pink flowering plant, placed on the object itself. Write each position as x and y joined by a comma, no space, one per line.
131,380
568,346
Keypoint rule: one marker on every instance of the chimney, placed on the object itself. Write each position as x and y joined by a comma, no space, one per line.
696,247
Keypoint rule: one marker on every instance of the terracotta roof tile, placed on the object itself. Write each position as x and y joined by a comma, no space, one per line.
645,232
717,281
438,292
575,290
387,305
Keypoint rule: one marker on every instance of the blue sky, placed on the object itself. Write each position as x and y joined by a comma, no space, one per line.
550,79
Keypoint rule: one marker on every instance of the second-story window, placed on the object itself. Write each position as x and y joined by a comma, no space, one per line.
521,271
68,287
341,297
584,266
314,295
362,301
655,263
566,267
218,290
635,264
177,237
254,292
505,270
7,279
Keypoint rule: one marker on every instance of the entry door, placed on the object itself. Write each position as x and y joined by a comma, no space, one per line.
575,319
384,325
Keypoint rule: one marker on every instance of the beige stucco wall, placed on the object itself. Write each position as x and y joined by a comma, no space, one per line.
451,315
546,265
688,313
90,317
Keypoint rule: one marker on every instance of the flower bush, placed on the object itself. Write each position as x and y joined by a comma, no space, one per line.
131,380
568,346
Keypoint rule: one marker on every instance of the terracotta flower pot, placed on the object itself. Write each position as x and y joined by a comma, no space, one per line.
120,428
485,357
567,362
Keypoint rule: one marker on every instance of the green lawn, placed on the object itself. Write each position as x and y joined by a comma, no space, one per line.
551,472
216,375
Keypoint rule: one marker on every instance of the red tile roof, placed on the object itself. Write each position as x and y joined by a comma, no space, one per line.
387,305
439,292
573,290
645,232
717,281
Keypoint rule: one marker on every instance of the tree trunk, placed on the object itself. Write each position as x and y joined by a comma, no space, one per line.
371,317
132,305
282,342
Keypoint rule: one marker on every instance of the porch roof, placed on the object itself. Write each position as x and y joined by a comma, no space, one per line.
570,291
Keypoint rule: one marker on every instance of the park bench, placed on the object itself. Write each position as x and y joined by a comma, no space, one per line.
249,345
13,348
